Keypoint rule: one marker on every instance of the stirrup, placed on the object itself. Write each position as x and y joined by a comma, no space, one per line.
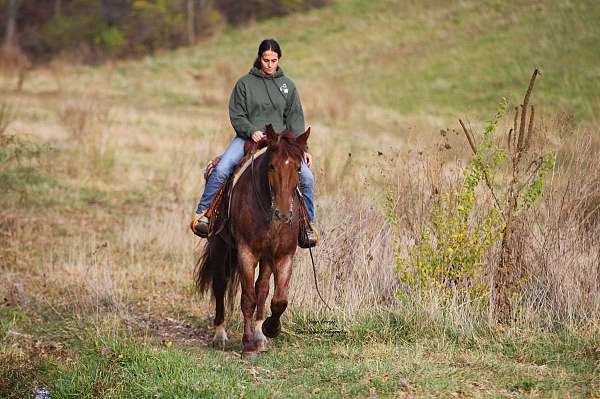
308,236
200,224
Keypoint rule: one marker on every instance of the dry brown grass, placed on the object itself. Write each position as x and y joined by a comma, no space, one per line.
120,146
561,249
14,63
558,247
147,260
6,117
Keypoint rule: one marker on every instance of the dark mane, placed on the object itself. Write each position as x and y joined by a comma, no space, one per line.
287,146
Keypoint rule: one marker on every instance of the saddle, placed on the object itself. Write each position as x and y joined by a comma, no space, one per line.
218,210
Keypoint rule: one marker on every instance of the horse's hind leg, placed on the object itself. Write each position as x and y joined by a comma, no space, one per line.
262,291
219,285
283,274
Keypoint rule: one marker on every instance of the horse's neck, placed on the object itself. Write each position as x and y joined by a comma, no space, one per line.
260,179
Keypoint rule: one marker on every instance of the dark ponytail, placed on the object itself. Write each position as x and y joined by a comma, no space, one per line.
267,44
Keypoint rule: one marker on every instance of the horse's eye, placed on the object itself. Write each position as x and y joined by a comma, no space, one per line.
299,169
271,167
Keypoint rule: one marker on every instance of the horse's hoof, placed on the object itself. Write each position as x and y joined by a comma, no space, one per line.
219,343
261,345
252,356
219,340
271,327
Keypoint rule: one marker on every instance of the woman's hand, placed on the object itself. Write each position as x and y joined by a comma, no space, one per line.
308,159
258,136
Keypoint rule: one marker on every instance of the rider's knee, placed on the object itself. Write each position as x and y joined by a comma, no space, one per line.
223,170
307,177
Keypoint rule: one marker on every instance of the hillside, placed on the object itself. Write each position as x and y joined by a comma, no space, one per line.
424,58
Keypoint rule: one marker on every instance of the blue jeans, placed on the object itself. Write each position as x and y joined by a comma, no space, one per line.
229,160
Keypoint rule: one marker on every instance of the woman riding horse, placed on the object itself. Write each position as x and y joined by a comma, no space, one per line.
262,230
261,97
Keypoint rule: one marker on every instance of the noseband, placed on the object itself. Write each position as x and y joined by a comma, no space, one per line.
275,212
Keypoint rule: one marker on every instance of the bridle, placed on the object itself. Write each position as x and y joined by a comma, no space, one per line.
274,212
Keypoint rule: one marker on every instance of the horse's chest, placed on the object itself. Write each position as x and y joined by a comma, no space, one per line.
276,239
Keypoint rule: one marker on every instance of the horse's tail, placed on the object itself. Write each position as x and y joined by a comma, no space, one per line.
218,267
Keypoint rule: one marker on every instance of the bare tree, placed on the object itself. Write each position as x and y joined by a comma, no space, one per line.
57,8
11,23
191,19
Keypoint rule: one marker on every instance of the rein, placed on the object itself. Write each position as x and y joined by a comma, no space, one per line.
255,189
312,260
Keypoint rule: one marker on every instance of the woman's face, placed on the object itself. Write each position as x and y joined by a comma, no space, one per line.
268,62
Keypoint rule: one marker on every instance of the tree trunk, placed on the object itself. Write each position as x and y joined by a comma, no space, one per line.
57,8
11,24
191,22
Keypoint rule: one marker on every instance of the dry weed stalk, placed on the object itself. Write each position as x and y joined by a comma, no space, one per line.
83,118
518,145
7,116
12,60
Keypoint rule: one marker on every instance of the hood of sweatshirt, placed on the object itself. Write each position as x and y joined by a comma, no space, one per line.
258,72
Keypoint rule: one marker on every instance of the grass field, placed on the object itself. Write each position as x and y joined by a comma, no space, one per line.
101,167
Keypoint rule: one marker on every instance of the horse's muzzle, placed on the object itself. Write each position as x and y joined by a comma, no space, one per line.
284,218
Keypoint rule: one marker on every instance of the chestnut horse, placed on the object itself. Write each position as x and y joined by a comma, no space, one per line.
262,230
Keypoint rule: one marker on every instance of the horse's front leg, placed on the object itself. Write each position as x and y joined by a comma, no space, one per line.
262,291
282,271
247,263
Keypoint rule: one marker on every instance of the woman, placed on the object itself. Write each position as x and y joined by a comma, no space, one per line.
265,95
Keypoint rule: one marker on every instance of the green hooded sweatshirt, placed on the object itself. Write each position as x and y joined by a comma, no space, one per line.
258,99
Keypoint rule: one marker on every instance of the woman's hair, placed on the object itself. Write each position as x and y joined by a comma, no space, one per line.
267,44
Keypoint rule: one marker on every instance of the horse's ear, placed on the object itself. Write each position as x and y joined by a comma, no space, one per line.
271,135
303,138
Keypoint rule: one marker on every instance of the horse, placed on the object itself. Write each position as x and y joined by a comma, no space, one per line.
262,229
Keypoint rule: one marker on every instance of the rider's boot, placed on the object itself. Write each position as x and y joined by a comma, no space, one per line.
200,224
309,236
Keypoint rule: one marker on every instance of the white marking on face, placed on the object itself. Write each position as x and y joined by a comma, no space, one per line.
287,161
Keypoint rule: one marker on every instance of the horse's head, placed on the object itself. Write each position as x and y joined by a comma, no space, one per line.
285,159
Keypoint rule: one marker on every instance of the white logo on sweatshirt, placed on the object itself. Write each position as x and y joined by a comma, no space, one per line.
284,88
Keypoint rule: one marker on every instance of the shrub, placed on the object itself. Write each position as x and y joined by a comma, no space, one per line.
20,169
449,256
62,34
111,41
87,122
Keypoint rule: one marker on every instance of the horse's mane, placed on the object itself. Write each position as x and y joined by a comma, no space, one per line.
286,145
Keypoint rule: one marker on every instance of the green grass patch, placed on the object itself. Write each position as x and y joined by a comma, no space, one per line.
93,361
432,58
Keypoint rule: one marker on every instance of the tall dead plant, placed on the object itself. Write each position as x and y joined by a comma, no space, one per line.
7,116
14,62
